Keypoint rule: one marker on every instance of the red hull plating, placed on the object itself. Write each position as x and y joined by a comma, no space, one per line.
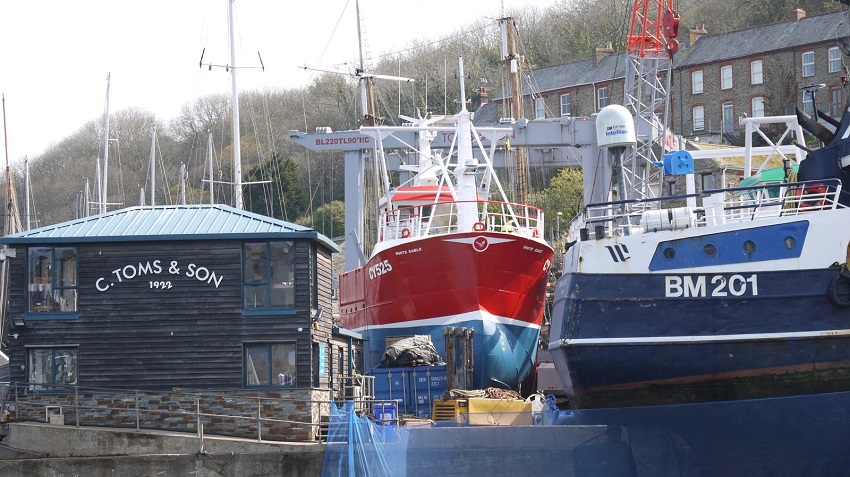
446,276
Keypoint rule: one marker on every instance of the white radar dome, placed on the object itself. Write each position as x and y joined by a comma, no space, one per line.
615,127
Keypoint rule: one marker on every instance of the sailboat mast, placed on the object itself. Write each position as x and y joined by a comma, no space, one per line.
104,188
237,154
210,159
8,173
153,166
27,189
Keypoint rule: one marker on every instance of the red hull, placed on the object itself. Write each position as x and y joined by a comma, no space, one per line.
441,277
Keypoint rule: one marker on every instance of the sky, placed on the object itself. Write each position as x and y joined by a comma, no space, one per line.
55,55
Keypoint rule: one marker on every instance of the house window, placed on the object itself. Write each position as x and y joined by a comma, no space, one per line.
565,105
758,106
268,277
539,108
728,118
756,76
699,118
671,188
601,98
696,82
707,181
51,368
836,102
809,63
270,364
808,104
834,60
726,77
52,279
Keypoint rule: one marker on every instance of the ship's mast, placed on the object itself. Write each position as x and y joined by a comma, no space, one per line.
512,68
104,188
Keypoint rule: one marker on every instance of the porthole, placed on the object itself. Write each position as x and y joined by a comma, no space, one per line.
790,243
749,246
669,253
709,250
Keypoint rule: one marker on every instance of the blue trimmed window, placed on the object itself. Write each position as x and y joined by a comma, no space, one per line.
268,276
270,365
52,280
51,368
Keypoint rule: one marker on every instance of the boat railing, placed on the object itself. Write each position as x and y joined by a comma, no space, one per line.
713,207
462,216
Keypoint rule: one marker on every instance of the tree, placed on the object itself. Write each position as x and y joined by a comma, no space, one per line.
328,220
565,194
283,197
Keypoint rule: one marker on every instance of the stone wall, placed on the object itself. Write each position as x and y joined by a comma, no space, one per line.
285,415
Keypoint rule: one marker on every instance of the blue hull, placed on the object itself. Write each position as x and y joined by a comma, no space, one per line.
646,339
503,354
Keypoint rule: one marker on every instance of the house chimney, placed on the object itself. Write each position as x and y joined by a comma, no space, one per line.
603,52
797,14
695,34
482,94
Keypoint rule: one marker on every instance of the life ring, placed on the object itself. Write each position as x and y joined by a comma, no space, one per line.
405,232
478,226
839,291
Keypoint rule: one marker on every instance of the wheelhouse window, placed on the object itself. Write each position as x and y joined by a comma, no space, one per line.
270,365
808,63
268,277
51,368
52,280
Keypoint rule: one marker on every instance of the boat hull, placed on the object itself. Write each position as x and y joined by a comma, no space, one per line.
493,283
747,328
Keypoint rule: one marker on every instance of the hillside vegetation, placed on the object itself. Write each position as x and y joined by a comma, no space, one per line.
306,185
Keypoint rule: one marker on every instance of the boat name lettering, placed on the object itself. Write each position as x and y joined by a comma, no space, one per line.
341,140
156,267
532,249
405,252
710,285
380,268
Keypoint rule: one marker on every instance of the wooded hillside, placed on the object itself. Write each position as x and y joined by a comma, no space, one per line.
304,185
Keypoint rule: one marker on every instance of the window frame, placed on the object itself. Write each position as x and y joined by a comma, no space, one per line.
807,65
539,108
42,386
284,380
705,178
55,282
756,74
698,125
566,106
726,81
266,279
833,56
600,97
836,108
695,83
808,103
753,111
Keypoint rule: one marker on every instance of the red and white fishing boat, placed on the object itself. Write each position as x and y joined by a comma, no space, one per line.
448,255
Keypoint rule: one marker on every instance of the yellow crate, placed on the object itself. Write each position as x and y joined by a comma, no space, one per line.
449,409
499,412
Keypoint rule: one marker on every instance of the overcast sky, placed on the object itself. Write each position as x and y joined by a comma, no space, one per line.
55,54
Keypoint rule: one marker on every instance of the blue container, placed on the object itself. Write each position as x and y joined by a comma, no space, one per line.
385,413
415,388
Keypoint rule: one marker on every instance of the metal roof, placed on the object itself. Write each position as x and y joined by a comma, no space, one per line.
168,223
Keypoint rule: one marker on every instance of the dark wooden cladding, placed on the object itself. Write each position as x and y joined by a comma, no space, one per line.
131,334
